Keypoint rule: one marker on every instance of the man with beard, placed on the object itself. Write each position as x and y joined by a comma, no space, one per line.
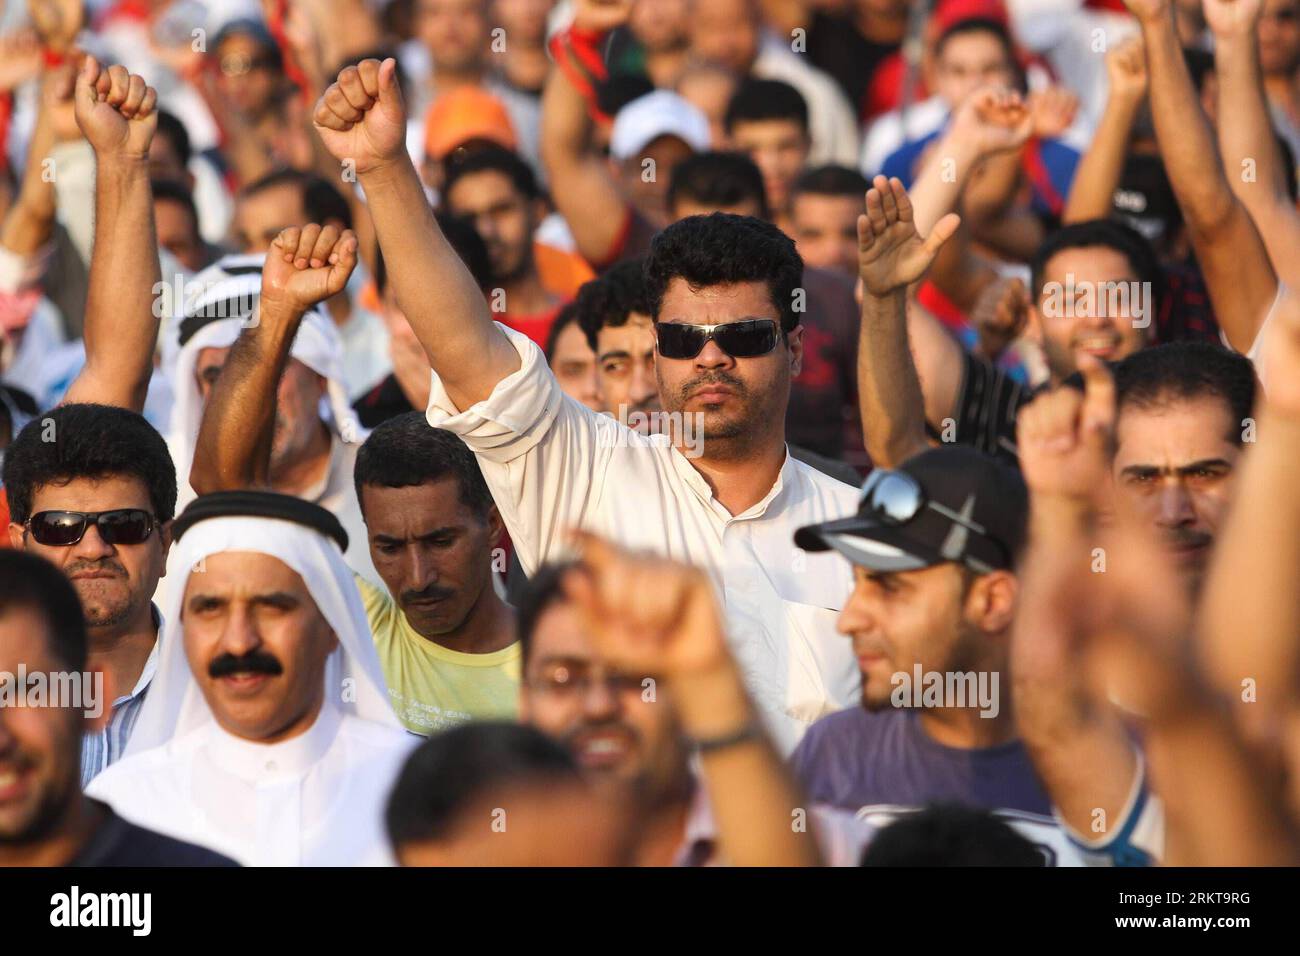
45,820
626,665
495,190
268,735
92,490
721,490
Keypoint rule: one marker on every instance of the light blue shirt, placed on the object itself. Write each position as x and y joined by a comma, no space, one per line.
106,746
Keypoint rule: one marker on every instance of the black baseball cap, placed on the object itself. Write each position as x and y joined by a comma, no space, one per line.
951,503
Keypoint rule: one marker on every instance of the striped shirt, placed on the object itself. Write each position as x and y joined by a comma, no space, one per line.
106,746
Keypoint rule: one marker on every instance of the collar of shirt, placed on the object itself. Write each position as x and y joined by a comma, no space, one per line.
700,486
267,763
150,664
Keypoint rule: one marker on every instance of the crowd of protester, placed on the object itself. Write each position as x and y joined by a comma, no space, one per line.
649,432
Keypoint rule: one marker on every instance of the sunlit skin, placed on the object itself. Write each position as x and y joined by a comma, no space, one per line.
115,582
455,32
741,400
825,230
244,602
967,62
262,216
725,32
645,176
897,620
616,735
178,233
40,755
502,217
1108,336
434,554
626,370
574,365
300,437
660,24
1174,466
779,148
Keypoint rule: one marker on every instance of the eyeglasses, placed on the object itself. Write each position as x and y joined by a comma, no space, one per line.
63,528
237,64
746,339
570,683
895,498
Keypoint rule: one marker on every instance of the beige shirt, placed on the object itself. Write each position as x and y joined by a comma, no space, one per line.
553,464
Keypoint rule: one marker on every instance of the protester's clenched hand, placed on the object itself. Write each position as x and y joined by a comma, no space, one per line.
1052,110
648,615
115,110
306,265
1233,17
891,253
1064,438
1126,69
992,120
999,315
57,21
600,16
361,118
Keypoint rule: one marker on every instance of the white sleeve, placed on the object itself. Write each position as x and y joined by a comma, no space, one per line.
1256,351
544,456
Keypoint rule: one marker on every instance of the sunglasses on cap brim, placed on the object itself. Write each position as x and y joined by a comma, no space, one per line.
748,338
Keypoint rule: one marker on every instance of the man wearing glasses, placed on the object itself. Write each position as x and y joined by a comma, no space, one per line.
720,490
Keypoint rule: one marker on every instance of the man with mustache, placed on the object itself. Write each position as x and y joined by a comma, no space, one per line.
268,735
728,344
45,820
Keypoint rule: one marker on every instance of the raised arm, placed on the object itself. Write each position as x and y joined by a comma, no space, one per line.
115,110
305,265
361,118
29,223
656,618
580,182
1246,134
1102,164
892,254
1228,247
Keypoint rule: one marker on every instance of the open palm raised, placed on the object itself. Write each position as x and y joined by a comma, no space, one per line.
891,253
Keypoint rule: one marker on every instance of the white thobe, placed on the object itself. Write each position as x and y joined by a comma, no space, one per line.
316,799
553,464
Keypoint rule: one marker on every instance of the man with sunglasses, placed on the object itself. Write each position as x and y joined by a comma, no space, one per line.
933,547
720,490
92,490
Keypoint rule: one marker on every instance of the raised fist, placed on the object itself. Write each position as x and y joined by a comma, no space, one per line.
361,118
306,265
115,110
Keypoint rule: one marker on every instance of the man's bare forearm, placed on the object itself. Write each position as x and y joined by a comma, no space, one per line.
889,390
445,307
121,330
1102,164
233,450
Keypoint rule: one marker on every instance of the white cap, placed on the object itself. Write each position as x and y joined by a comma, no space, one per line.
660,113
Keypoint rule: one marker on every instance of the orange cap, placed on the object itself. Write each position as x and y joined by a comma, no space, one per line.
460,115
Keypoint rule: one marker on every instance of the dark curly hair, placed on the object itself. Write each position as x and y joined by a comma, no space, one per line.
722,249
406,450
611,298
88,441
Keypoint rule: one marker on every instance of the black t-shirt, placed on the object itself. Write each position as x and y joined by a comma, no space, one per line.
386,400
835,45
119,843
987,406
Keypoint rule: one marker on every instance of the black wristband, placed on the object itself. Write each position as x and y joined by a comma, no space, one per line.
753,730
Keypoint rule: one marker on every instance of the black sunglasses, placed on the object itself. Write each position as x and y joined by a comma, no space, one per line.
62,528
746,339
894,498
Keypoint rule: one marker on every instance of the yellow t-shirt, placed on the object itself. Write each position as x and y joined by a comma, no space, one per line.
431,687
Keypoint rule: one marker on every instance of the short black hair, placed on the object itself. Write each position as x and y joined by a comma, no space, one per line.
951,835
88,441
1187,370
609,299
321,202
756,100
169,190
720,249
173,130
445,775
406,450
31,582
540,592
464,241
831,180
718,180
496,159
1112,234
978,25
